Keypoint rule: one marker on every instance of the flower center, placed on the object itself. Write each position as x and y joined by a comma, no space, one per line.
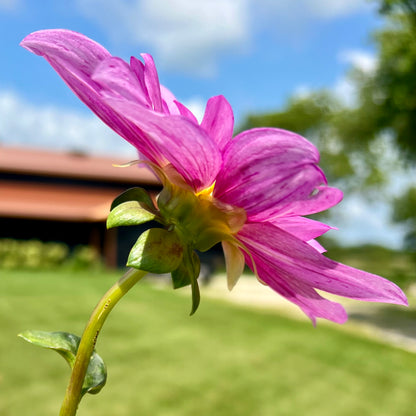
207,191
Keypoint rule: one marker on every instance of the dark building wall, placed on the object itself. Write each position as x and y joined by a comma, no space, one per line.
67,232
113,245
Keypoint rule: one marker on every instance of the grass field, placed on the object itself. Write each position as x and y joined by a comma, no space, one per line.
224,361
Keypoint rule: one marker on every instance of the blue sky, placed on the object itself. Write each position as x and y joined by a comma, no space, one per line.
257,53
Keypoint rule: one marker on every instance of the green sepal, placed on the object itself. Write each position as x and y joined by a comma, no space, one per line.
196,297
66,345
186,271
129,213
156,251
135,194
208,238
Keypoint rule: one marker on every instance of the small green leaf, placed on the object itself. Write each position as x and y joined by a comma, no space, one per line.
196,297
180,277
129,213
186,271
66,345
156,251
194,282
135,194
96,376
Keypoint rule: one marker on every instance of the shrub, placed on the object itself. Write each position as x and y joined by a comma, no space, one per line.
37,255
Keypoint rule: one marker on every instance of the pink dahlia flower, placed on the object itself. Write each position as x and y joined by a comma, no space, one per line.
250,192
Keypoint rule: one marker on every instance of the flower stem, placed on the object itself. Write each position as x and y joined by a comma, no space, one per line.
89,338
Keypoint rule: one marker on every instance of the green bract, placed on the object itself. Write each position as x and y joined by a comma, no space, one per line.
156,251
197,220
129,213
191,222
135,194
187,274
132,207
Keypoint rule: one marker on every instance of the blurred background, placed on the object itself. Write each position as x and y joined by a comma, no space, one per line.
341,73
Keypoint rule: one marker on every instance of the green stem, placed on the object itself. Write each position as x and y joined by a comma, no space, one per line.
89,338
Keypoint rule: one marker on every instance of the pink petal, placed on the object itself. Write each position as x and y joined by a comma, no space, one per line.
94,75
218,120
184,111
302,295
168,101
137,66
116,77
284,257
270,172
321,199
318,247
75,58
157,91
303,228
80,54
175,140
172,106
152,82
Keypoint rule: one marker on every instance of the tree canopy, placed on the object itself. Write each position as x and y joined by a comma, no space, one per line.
356,141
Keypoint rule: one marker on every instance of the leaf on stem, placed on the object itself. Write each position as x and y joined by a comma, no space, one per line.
66,345
187,274
188,269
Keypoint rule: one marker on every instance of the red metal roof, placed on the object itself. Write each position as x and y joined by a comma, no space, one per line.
72,165
55,202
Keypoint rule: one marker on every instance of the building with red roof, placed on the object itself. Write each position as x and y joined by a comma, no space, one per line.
55,196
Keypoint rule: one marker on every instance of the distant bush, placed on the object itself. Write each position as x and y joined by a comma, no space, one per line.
38,255
84,257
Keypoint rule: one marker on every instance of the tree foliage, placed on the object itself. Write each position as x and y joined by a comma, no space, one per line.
386,96
405,212
390,93
352,138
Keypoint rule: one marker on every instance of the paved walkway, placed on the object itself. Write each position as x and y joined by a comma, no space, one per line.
373,320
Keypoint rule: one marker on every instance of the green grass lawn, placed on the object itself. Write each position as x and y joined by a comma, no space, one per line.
223,361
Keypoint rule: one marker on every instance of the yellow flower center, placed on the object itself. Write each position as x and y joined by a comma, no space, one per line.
207,191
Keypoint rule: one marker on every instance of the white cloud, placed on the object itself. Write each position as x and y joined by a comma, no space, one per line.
294,21
187,35
362,222
345,88
48,127
346,91
359,59
190,35
197,106
302,92
331,9
310,9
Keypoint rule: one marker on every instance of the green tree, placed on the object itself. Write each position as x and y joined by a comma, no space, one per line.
405,213
354,140
389,94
